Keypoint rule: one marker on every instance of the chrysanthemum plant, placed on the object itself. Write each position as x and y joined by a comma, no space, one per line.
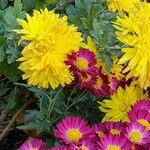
75,71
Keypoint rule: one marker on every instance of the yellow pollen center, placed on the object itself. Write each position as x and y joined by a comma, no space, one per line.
101,134
83,148
115,132
113,147
34,149
82,63
135,136
144,123
99,83
74,135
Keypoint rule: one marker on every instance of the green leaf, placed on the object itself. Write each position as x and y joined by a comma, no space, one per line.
29,5
2,48
2,55
18,6
107,59
12,52
11,14
10,71
3,4
51,2
11,99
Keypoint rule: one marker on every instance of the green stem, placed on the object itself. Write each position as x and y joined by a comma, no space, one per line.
52,103
74,102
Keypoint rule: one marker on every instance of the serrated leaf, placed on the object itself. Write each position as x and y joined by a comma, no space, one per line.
51,2
17,6
12,52
29,5
11,14
27,126
107,59
2,48
11,99
10,71
2,55
3,4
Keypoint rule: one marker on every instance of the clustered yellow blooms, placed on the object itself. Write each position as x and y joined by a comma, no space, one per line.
90,45
116,69
134,31
123,6
50,39
120,104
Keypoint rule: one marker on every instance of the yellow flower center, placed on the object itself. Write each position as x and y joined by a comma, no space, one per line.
113,147
101,134
99,83
34,149
115,132
135,136
144,123
83,148
82,63
74,135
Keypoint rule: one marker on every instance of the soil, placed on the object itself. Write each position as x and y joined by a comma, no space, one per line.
13,140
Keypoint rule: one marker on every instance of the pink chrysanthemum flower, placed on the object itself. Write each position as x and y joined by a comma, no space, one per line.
100,130
83,61
33,144
84,145
115,128
101,86
140,116
137,134
73,130
142,104
61,148
114,84
111,142
86,80
137,147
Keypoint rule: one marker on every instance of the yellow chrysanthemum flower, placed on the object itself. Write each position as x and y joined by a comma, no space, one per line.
116,69
123,6
120,104
90,45
134,31
50,40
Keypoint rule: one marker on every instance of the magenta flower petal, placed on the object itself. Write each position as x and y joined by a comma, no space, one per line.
84,145
140,116
73,130
100,130
83,61
33,144
61,148
101,86
111,142
142,104
114,84
137,134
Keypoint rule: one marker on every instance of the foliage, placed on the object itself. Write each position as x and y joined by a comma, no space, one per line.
92,19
